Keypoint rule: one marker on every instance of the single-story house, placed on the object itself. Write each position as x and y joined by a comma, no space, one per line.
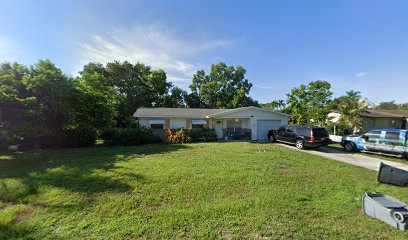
374,119
251,123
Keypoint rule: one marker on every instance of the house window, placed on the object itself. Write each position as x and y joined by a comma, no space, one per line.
234,125
156,123
198,124
156,126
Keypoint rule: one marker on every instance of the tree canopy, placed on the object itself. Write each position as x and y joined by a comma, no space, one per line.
309,103
135,86
224,87
39,101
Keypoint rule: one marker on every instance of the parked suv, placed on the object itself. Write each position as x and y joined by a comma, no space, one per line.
300,136
383,141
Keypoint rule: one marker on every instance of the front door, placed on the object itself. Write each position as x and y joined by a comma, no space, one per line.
218,128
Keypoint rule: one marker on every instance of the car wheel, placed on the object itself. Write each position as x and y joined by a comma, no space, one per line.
299,144
272,138
399,217
349,147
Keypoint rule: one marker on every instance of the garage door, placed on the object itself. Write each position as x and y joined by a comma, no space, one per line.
264,126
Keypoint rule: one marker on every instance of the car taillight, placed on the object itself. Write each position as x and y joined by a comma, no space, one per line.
312,138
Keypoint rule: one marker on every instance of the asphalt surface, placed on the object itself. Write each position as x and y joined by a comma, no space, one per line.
350,158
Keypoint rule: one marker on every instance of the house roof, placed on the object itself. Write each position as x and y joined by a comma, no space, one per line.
192,112
176,112
379,113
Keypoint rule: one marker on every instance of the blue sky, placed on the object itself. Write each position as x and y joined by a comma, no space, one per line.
355,45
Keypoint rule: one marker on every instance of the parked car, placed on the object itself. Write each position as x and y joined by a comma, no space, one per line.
300,136
383,141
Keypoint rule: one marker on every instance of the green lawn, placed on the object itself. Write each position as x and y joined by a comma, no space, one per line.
208,190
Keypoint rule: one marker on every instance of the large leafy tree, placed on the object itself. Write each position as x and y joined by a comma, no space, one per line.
309,103
40,101
92,102
15,102
224,87
50,87
135,85
176,98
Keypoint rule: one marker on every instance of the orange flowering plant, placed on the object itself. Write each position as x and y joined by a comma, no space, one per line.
174,137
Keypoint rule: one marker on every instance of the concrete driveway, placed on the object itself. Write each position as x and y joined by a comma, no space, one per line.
350,158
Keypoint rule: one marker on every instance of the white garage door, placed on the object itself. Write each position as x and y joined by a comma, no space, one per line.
264,126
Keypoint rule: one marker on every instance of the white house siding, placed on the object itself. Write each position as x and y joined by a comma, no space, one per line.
144,122
249,119
176,123
251,122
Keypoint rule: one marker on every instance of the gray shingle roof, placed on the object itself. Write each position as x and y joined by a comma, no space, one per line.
176,112
378,113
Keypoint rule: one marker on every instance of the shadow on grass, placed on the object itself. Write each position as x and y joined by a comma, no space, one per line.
10,232
87,170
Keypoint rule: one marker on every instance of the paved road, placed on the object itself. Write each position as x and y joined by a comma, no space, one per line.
350,158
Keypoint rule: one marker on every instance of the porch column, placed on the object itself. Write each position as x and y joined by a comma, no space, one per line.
188,124
167,123
207,125
254,128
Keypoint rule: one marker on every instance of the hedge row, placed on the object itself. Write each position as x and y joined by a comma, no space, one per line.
129,136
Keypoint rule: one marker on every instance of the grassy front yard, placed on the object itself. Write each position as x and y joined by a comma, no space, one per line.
208,190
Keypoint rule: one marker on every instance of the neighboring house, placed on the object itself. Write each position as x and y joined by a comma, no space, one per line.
374,119
251,123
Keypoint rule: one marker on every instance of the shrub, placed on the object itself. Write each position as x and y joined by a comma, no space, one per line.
174,137
204,135
68,138
80,137
129,136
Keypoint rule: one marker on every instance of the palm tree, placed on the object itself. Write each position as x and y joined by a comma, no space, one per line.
350,106
280,104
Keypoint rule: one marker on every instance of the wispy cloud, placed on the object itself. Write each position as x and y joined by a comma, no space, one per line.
9,50
266,87
360,75
153,45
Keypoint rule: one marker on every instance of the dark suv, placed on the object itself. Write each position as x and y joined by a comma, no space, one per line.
300,136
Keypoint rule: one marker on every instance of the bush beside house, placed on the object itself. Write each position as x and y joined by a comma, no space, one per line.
204,135
129,136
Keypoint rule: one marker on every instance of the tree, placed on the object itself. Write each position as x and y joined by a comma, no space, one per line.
281,104
14,102
41,104
177,98
92,102
136,85
309,103
50,87
391,105
404,106
224,87
349,107
274,105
